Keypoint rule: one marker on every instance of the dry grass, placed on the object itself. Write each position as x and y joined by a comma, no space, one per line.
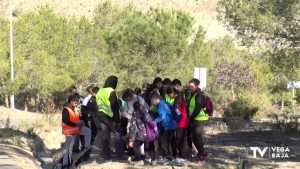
45,126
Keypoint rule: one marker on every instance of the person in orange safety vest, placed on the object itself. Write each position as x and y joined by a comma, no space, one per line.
71,127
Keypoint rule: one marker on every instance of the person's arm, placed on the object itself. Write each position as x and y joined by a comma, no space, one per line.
66,118
158,117
177,102
162,111
92,105
143,103
114,104
200,104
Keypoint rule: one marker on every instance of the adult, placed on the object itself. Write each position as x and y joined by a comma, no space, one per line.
89,110
197,118
108,116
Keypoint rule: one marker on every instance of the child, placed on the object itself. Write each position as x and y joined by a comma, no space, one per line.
137,132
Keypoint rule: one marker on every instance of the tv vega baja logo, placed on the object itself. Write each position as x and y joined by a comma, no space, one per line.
271,152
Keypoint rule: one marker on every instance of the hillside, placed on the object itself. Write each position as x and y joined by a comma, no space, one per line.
204,11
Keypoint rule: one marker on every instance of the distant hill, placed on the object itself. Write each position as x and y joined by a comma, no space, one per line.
204,11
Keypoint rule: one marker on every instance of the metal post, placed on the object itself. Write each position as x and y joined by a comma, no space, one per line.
293,101
12,97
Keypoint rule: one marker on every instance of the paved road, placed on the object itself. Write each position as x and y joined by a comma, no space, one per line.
6,162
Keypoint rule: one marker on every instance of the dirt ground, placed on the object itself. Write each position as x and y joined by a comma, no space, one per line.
230,148
228,144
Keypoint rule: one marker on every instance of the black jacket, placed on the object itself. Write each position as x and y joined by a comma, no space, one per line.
199,104
112,82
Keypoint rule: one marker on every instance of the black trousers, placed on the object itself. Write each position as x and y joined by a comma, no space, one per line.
108,130
180,137
169,143
197,131
124,124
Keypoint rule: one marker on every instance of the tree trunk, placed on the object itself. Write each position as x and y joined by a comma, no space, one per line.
233,93
6,101
26,103
282,105
35,104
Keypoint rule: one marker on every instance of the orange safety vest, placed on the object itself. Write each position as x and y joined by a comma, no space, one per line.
74,117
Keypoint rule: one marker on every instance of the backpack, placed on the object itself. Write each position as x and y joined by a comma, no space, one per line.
209,106
151,131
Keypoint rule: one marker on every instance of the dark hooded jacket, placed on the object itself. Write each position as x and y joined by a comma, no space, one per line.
112,82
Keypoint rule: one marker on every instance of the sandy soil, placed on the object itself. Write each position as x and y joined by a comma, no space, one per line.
48,127
227,144
204,11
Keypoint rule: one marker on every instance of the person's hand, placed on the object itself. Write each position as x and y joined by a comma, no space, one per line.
130,144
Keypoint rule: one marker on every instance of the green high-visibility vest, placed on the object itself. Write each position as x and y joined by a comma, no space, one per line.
202,116
103,102
169,100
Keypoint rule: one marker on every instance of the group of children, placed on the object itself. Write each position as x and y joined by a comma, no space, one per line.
152,123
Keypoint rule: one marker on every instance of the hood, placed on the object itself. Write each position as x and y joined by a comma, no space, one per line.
111,81
196,91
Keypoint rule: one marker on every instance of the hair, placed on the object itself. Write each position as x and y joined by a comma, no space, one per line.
73,97
136,106
72,89
167,82
171,90
145,85
176,82
154,95
138,91
195,81
95,89
157,80
127,93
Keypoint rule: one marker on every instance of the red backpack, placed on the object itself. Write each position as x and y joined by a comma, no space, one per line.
209,105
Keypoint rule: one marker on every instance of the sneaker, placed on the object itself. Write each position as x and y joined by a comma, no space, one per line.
204,155
162,161
167,161
154,163
180,160
138,163
199,160
148,160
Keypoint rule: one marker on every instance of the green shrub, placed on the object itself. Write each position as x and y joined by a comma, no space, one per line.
240,108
